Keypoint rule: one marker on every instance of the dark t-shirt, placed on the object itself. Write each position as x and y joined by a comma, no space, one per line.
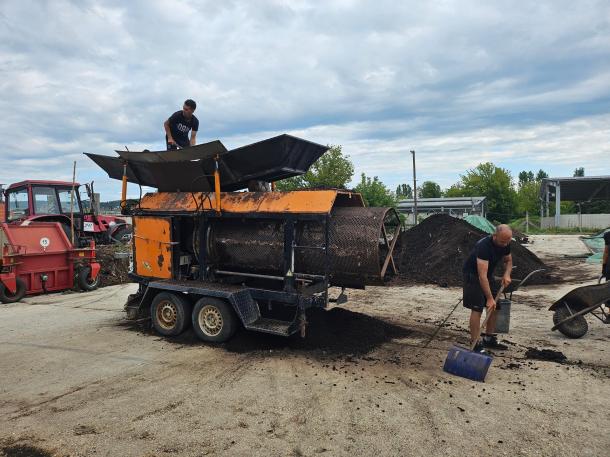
485,249
607,238
180,127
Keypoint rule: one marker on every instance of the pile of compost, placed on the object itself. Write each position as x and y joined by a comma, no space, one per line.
114,262
434,252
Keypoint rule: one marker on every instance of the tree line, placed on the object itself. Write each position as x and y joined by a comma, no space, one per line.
506,199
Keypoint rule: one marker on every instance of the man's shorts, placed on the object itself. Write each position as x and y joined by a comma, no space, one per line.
473,296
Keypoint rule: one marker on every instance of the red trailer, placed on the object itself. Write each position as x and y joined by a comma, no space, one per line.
39,258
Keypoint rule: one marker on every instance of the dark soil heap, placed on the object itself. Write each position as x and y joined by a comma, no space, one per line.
434,252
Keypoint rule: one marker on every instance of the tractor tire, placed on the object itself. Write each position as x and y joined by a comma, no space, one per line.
84,280
7,297
170,313
120,236
575,328
214,320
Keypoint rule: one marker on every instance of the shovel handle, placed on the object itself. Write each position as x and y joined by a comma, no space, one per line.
487,316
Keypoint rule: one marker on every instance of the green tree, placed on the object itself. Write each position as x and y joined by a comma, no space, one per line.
490,181
579,172
404,191
455,190
430,189
332,170
526,177
374,192
528,198
541,175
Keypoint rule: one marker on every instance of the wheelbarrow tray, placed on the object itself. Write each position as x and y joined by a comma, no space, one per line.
569,310
585,297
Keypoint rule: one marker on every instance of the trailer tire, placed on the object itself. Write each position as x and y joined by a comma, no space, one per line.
85,282
7,297
214,320
574,328
170,313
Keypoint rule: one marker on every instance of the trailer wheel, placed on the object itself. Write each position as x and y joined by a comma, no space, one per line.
574,328
84,280
7,297
170,313
214,320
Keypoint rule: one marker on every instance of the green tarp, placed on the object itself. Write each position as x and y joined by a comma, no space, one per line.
481,223
595,244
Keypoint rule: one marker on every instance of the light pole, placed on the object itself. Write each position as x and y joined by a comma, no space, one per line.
414,191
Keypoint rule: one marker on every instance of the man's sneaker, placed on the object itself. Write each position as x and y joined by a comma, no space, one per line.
479,348
491,342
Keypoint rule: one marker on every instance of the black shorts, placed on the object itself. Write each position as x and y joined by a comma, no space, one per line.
473,296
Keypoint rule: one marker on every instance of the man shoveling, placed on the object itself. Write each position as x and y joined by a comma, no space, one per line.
478,278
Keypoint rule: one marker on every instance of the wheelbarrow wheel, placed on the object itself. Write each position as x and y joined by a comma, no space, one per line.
6,296
575,327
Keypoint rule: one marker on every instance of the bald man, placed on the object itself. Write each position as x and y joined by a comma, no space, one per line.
478,281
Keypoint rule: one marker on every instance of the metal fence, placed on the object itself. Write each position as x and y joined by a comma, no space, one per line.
594,221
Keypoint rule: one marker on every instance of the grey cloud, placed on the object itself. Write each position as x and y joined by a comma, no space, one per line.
95,76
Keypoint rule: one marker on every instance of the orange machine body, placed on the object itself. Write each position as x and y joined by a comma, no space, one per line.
301,202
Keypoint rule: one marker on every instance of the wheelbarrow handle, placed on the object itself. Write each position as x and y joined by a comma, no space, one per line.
487,316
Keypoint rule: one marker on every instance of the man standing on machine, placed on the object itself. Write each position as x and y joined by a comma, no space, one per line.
478,278
179,124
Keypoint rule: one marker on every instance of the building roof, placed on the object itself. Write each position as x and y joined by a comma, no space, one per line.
441,203
579,188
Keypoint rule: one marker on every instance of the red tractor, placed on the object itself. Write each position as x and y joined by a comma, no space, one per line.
50,201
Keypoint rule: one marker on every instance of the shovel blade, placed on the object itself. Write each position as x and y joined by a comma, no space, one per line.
467,364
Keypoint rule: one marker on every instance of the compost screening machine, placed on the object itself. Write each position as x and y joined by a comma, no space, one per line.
209,254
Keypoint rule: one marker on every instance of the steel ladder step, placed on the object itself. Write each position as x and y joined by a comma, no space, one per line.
273,326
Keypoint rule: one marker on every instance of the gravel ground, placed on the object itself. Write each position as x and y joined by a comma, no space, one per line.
76,380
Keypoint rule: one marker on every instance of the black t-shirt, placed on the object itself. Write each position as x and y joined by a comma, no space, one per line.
607,238
485,249
180,127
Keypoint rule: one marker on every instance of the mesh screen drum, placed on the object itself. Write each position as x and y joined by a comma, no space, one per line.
357,248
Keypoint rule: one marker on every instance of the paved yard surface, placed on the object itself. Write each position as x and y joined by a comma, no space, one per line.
76,380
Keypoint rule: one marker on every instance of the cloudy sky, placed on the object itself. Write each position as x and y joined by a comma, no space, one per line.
523,84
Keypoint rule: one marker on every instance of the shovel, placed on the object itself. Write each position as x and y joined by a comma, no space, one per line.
463,362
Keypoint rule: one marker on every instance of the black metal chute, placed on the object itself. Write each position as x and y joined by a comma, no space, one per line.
276,158
197,152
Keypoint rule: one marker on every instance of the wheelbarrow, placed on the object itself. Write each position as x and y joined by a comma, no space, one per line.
570,310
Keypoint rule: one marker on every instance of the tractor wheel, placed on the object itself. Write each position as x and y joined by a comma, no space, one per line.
170,313
214,320
7,297
122,235
574,328
83,278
